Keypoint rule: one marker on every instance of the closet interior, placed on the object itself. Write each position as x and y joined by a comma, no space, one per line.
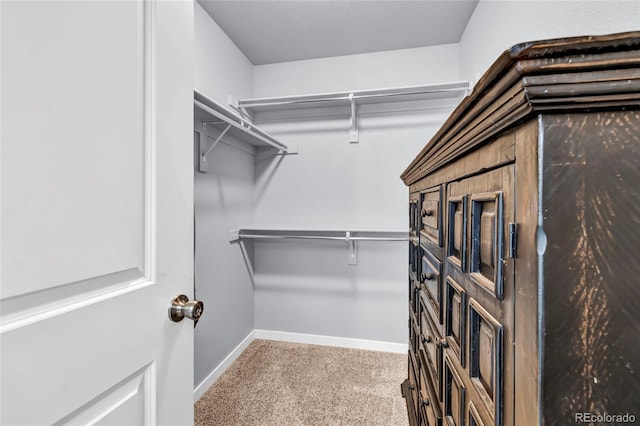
300,213
300,229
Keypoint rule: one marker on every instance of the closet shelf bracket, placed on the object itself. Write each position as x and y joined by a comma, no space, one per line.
353,249
353,133
203,157
230,124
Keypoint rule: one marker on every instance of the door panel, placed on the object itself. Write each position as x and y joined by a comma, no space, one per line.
97,211
73,80
124,404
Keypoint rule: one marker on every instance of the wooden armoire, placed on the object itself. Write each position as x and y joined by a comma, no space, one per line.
524,259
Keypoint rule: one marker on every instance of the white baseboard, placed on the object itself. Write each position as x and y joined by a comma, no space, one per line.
341,342
217,372
283,336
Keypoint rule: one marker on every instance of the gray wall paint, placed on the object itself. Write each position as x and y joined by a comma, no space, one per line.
405,67
221,69
307,286
223,199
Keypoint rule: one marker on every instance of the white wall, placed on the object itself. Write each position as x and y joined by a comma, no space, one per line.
221,69
307,286
223,198
405,67
497,25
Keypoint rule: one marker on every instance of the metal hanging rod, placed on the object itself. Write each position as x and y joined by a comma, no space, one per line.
320,237
348,237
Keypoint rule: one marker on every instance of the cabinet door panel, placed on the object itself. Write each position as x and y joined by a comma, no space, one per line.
431,350
455,319
431,270
457,232
485,353
414,253
487,241
413,381
478,280
454,394
414,333
431,214
474,416
414,218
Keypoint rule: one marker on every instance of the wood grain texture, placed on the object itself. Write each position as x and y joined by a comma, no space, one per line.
526,285
592,218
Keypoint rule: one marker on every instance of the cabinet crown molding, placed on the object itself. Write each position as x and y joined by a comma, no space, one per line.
588,73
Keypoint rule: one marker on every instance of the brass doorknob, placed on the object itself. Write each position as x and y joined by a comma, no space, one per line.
181,307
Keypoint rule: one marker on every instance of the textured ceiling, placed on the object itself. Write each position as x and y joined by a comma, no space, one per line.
268,31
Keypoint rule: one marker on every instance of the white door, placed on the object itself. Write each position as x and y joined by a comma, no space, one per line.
97,219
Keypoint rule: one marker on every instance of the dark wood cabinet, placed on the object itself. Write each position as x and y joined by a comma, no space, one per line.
524,275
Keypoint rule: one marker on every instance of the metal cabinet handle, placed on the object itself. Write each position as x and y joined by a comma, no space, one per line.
442,343
426,339
182,308
428,276
426,212
424,402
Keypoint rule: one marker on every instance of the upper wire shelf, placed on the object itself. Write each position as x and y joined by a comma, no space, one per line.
355,98
229,123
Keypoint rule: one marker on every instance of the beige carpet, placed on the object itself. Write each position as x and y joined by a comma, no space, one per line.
278,383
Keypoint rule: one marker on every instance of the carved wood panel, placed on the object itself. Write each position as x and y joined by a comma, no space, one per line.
431,214
477,290
431,273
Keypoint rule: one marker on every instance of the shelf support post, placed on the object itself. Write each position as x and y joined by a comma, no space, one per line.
353,249
353,132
